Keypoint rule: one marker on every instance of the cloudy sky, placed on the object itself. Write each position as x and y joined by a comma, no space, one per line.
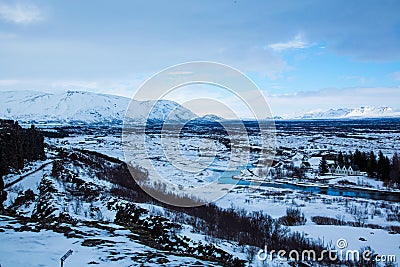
303,55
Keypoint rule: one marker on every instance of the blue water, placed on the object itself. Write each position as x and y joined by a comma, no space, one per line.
226,178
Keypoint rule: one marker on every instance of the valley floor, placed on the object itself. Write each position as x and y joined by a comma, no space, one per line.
363,222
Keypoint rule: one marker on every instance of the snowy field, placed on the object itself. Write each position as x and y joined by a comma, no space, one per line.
366,222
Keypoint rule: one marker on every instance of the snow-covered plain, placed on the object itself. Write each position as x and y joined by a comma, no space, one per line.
296,140
310,140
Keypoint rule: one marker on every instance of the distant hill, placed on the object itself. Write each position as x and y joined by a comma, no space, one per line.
346,113
211,117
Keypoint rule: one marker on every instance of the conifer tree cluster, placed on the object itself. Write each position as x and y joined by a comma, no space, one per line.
17,146
377,166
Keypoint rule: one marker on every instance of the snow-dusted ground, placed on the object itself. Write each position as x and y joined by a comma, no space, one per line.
272,201
275,201
379,240
45,248
107,244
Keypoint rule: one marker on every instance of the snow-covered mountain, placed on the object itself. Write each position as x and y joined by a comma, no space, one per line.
344,113
85,107
88,107
211,118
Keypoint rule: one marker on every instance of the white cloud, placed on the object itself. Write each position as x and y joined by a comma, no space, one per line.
297,43
20,13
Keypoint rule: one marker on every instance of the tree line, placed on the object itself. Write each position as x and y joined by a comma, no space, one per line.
378,166
17,146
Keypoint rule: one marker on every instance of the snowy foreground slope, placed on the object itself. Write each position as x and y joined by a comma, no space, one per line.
84,107
107,245
66,206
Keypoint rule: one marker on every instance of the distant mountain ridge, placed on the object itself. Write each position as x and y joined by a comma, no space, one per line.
211,117
348,113
85,107
88,107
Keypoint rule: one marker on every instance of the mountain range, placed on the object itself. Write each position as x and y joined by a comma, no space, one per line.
347,113
88,107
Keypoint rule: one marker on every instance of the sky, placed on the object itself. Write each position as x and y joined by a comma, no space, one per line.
303,55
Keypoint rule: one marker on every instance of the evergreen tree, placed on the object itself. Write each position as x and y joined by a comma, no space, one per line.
386,169
394,173
346,159
3,193
350,159
323,166
357,160
372,164
340,159
18,144
383,167
364,162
